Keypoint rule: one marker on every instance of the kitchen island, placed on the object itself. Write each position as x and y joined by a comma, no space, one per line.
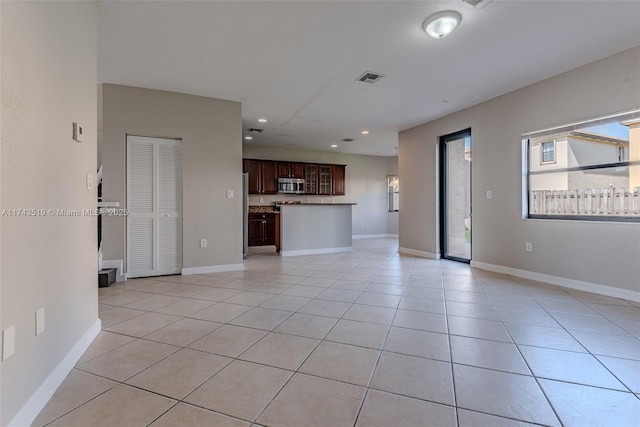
315,228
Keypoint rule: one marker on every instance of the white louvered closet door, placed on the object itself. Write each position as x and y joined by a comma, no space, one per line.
154,201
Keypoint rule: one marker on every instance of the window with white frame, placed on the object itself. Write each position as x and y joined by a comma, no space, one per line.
547,152
586,170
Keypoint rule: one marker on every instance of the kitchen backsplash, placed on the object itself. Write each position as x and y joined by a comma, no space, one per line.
270,199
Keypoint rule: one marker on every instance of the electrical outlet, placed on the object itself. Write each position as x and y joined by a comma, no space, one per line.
203,243
261,199
89,181
489,194
8,342
229,194
39,321
528,246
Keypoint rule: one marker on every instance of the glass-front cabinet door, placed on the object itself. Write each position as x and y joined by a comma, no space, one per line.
324,177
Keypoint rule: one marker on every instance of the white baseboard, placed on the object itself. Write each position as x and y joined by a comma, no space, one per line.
579,285
212,269
373,236
418,253
39,399
316,251
118,265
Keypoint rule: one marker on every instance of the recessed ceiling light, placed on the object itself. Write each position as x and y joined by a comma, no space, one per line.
334,145
248,138
262,120
441,24
365,132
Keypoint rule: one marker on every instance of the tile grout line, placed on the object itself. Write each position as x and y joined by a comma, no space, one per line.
351,304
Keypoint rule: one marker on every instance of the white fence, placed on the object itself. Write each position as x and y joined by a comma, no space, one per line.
591,202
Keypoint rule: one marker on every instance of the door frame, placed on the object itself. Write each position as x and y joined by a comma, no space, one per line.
442,196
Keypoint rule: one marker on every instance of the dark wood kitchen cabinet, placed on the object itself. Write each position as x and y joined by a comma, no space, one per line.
290,170
262,229
338,178
269,178
325,173
310,179
320,179
263,176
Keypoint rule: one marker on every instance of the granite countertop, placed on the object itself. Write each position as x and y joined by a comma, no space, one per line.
262,209
322,204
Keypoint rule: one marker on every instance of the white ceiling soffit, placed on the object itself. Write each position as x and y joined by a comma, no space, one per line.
296,62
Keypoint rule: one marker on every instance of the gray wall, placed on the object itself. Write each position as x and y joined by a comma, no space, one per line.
48,82
210,130
365,183
596,252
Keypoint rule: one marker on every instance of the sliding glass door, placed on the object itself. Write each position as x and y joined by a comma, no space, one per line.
455,196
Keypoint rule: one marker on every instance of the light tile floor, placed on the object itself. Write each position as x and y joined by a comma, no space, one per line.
369,338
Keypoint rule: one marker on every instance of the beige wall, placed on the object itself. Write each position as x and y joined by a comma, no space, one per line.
48,82
576,250
365,184
210,130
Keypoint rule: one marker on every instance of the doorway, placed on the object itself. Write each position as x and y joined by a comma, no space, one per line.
154,203
455,196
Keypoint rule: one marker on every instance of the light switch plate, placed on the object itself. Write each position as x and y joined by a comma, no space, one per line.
489,194
8,342
78,132
39,321
89,181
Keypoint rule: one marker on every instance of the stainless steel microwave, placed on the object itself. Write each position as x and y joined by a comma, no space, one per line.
291,185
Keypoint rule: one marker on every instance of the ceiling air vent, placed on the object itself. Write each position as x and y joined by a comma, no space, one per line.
346,139
370,77
255,130
477,3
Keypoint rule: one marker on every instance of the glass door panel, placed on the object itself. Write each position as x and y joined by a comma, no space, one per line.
456,196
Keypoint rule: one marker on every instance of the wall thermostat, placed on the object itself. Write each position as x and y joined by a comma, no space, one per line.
78,133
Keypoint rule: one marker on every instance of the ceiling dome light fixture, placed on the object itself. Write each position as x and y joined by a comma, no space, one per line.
365,132
248,138
262,120
441,24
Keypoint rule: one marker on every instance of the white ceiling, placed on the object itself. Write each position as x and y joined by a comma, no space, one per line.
295,62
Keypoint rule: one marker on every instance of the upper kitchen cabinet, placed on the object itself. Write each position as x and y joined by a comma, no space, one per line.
269,177
324,180
310,179
338,180
263,176
290,170
252,167
325,174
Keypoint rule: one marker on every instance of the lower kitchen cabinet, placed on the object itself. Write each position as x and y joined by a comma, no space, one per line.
262,229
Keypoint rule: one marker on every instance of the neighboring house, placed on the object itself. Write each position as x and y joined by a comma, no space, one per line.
573,149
